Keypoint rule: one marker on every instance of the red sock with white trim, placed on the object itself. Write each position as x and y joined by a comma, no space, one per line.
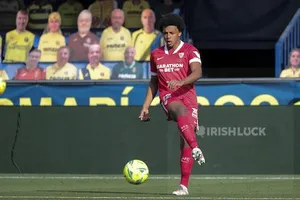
186,165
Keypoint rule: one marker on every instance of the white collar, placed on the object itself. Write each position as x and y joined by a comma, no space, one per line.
176,50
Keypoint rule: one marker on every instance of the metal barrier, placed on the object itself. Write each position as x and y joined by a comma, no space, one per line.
202,81
289,39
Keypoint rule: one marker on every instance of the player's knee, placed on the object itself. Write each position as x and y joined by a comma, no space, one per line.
181,111
175,113
176,109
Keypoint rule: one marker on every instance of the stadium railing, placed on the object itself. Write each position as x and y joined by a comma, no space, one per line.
289,39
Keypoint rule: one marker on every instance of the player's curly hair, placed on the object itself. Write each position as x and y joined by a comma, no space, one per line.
171,20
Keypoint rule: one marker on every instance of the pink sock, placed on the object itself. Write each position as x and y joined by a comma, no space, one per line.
187,131
186,165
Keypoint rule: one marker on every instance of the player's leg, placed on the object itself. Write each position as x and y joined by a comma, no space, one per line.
180,113
186,165
186,162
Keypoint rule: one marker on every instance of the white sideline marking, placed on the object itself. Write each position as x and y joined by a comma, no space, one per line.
96,177
163,198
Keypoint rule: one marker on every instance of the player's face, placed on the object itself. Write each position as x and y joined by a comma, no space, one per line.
94,55
129,55
34,58
63,55
117,19
21,21
54,25
84,23
295,58
171,36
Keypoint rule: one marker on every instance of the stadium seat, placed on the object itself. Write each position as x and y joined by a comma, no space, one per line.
11,68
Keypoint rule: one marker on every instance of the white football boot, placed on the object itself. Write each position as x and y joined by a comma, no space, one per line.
198,156
182,191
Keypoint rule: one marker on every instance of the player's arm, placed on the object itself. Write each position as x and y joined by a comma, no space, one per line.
196,71
195,75
151,92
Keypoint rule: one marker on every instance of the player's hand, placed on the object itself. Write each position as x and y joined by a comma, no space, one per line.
144,116
174,84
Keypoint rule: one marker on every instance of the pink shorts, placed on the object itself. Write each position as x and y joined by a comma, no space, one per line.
191,109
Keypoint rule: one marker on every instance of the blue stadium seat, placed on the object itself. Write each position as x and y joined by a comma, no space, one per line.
11,68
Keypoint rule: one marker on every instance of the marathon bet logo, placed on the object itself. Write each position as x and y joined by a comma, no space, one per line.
231,131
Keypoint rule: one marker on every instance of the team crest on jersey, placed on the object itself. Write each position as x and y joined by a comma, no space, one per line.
57,43
122,38
26,39
181,55
88,40
133,69
102,74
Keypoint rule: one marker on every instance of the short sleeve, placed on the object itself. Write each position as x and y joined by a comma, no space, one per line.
194,55
153,68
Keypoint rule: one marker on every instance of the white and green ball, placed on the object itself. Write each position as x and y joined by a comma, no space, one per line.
136,172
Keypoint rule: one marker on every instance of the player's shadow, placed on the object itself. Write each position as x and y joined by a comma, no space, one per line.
105,192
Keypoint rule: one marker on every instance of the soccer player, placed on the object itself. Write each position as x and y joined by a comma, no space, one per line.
174,69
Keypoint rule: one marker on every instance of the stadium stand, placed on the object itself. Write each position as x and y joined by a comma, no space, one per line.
11,68
289,39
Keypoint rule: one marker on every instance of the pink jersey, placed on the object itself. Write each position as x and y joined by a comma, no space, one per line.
167,66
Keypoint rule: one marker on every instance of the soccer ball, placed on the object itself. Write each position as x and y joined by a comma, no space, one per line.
2,86
136,172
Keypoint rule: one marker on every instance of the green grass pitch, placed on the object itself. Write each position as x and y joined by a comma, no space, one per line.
205,187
